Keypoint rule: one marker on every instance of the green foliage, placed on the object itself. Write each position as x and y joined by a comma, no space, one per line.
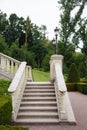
72,29
14,28
5,103
79,59
68,23
82,87
3,87
8,127
45,63
71,86
73,75
25,41
3,45
40,51
5,110
3,22
84,80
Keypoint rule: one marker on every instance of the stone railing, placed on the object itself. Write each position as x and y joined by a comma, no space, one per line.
60,90
17,86
19,72
9,64
65,111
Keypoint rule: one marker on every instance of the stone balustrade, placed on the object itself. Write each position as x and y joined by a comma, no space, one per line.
61,89
9,64
21,73
16,88
63,103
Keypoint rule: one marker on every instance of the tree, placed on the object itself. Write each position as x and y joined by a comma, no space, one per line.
78,59
14,29
73,75
3,45
69,24
3,22
67,52
43,29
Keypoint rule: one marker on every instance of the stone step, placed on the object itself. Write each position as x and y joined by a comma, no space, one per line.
29,115
38,94
39,98
36,121
39,90
38,109
39,103
39,87
39,84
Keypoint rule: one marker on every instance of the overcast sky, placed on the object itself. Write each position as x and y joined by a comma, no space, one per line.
41,12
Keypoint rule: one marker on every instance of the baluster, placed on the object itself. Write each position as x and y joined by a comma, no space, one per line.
27,72
3,62
16,66
8,64
12,66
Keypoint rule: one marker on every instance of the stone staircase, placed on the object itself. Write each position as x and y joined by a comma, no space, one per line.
38,104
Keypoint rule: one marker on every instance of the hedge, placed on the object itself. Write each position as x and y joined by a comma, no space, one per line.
81,87
73,75
5,110
71,86
7,127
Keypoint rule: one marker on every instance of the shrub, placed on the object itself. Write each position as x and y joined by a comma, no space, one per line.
84,80
71,86
82,87
5,103
73,75
7,127
5,110
3,87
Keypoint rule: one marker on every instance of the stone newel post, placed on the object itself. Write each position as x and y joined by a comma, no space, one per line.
54,58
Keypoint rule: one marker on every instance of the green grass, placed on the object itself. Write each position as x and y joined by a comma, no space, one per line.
41,76
7,127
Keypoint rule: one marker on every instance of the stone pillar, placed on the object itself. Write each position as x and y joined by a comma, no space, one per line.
54,59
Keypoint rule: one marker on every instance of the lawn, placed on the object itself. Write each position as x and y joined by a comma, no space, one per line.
41,76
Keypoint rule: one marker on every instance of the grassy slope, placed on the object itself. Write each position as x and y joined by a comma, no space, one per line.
41,76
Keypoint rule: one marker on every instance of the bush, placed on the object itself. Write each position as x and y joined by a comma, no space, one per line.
5,110
71,86
7,127
3,87
73,75
45,63
84,80
82,87
5,103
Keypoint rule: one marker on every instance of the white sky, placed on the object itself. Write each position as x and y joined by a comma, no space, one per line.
41,12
